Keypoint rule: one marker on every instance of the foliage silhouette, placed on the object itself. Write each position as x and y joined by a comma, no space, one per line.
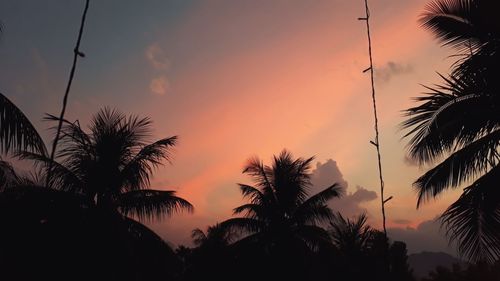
459,122
102,177
111,166
281,225
280,210
361,252
16,131
351,237
480,271
213,258
351,241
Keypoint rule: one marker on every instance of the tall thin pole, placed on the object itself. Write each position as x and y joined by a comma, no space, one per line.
76,54
376,142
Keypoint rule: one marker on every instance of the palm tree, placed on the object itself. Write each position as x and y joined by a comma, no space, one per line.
280,209
108,171
360,252
112,165
457,126
351,237
282,226
352,241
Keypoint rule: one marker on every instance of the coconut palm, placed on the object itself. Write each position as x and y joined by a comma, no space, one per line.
457,126
99,179
351,237
111,166
351,241
280,210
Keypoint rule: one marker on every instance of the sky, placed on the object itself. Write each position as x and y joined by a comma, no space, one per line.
235,79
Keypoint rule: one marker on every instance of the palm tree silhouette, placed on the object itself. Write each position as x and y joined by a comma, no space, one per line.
111,166
280,209
351,237
100,178
352,244
457,124
282,226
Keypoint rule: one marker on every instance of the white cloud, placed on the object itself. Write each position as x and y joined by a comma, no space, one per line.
159,85
157,58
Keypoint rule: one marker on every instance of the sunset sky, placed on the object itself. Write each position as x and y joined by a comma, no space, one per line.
239,78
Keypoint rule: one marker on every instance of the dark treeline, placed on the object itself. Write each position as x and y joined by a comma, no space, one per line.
284,233
479,271
68,230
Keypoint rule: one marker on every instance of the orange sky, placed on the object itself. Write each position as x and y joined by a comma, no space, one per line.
304,90
236,79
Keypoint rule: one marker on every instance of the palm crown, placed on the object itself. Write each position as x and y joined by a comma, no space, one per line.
111,166
280,208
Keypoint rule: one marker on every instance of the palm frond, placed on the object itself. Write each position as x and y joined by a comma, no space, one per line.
199,237
450,116
314,209
478,63
62,178
251,210
314,215
146,237
462,23
148,204
261,176
8,176
215,236
106,121
16,131
291,179
451,21
138,129
350,235
255,195
38,202
73,140
461,166
322,197
473,221
315,237
302,178
242,226
136,173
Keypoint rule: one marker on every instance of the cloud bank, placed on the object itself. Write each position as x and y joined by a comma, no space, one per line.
325,174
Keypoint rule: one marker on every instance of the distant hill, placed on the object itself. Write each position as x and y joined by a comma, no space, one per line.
424,262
